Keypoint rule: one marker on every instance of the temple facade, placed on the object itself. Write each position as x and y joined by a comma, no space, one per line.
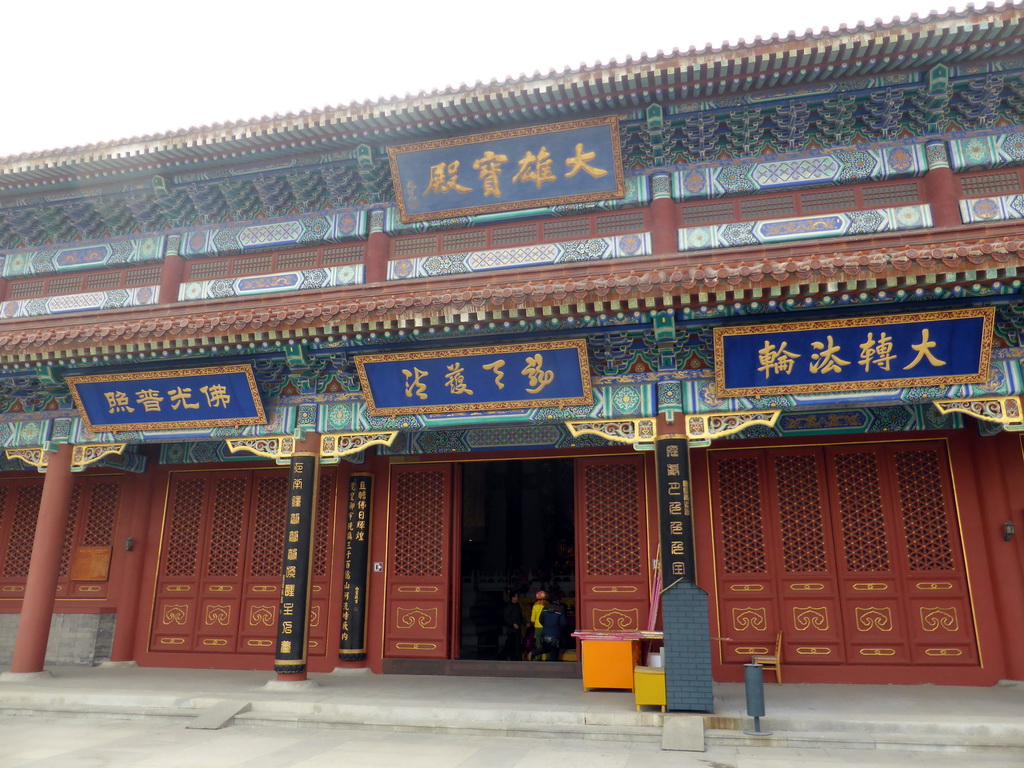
724,345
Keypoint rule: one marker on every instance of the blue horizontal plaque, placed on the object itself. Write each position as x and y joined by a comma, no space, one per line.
477,379
182,399
508,170
929,349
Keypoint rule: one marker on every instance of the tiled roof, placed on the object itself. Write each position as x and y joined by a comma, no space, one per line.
952,37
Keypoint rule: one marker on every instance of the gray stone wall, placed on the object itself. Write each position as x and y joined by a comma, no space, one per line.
75,638
687,654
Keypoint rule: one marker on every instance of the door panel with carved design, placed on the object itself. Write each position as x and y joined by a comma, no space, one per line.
419,569
219,582
851,551
613,592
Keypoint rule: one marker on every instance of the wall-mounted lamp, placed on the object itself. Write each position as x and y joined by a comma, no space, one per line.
1008,530
129,544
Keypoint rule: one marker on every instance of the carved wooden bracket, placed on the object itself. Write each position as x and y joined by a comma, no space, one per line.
635,432
340,444
34,457
1002,410
279,448
84,455
710,426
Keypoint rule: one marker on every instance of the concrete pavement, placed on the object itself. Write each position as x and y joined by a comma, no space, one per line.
827,719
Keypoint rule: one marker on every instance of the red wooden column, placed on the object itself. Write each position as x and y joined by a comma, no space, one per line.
378,247
43,570
941,187
170,277
663,216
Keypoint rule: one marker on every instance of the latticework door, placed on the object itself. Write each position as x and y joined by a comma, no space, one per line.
611,535
219,583
851,551
419,570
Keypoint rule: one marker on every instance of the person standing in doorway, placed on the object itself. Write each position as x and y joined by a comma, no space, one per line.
512,619
538,628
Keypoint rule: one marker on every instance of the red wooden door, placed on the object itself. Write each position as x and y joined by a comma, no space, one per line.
611,542
419,569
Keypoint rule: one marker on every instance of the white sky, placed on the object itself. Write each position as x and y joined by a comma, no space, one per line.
81,71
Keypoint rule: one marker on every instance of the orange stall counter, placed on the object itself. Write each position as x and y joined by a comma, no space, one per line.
610,657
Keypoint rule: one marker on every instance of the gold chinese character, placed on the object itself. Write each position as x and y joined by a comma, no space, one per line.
286,627
924,349
675,507
296,501
287,609
672,470
674,488
298,467
672,451
149,399
445,178
179,398
297,484
289,572
455,380
675,527
293,536
827,360
416,384
293,519
490,166
293,554
678,569
216,395
677,548
775,360
877,352
535,168
289,590
579,163
118,402
495,368
539,378
286,646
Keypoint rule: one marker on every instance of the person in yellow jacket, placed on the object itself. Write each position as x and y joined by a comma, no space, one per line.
538,629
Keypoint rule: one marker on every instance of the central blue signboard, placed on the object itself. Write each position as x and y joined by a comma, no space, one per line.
515,376
508,170
925,349
179,399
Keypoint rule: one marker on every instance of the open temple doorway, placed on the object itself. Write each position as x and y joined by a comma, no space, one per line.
517,535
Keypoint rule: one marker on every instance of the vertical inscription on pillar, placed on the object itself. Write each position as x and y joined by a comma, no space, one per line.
293,618
674,513
357,540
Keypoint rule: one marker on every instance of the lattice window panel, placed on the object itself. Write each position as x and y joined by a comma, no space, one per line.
69,530
454,242
990,184
767,208
740,514
322,539
860,512
208,270
99,527
3,504
923,510
183,528
298,260
800,514
613,536
60,285
252,265
343,254
147,276
890,194
102,281
269,525
26,289
517,233
419,523
565,229
413,246
829,200
626,221
23,529
226,527
709,213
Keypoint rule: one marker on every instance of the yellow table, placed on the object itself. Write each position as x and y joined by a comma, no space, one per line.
649,686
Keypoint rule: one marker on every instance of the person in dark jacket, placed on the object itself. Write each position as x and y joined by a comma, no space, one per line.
553,622
512,620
